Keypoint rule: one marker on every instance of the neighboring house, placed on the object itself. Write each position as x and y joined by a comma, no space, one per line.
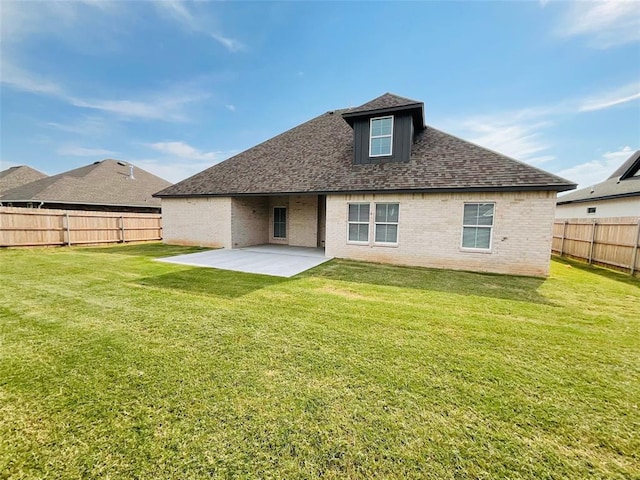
17,176
108,185
617,196
373,183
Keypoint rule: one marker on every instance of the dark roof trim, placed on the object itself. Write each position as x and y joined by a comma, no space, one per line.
65,202
595,199
628,169
416,110
529,188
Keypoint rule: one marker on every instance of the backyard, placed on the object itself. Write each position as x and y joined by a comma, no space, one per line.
113,365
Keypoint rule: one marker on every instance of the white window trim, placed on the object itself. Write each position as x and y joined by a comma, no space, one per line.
492,227
371,136
375,225
368,223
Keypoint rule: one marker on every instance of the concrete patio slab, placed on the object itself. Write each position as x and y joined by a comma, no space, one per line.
276,260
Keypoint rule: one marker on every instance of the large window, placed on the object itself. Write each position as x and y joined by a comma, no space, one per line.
279,222
381,136
386,223
477,225
358,222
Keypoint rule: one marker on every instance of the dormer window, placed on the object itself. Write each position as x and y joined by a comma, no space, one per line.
381,137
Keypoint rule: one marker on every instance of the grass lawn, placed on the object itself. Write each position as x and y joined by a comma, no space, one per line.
116,366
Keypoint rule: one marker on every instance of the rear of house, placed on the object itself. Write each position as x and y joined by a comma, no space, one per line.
373,183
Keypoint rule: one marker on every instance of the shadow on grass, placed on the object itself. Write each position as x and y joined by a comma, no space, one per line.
211,281
523,289
148,250
601,271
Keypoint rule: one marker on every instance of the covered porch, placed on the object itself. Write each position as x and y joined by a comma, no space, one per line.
294,220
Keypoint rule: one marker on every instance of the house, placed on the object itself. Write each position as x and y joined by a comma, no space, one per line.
17,176
373,183
617,196
107,185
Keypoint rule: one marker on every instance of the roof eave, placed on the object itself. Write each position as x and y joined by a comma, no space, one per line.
417,108
509,188
604,197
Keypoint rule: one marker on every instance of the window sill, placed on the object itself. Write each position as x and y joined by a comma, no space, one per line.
383,244
476,250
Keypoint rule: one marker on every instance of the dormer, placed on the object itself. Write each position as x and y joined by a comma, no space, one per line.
384,129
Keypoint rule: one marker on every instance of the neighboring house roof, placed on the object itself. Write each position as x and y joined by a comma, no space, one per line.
317,157
106,182
624,182
17,176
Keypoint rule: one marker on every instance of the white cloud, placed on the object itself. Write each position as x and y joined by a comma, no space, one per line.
610,99
174,170
166,105
231,108
606,23
508,135
182,160
178,11
186,151
78,151
597,170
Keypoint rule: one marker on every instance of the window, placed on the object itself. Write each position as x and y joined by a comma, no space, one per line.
591,209
358,222
381,136
386,223
477,225
279,222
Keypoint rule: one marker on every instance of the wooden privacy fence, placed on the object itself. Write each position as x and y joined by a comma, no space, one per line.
611,242
27,227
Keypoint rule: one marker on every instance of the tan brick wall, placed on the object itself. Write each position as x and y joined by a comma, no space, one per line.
250,221
430,229
197,221
303,220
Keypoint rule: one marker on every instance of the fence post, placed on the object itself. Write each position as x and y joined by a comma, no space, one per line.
564,234
68,228
122,228
634,257
593,238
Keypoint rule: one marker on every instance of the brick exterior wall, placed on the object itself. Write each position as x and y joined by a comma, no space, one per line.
197,221
430,229
250,221
303,220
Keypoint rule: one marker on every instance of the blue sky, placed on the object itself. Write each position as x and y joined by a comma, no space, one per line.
175,87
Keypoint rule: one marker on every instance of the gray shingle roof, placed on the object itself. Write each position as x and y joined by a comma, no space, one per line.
101,183
388,100
317,157
17,176
622,183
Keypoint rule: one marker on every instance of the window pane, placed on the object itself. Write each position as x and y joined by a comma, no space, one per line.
358,232
353,213
358,212
483,237
387,212
386,233
476,237
470,214
469,237
485,214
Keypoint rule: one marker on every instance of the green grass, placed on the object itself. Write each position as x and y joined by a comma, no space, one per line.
116,366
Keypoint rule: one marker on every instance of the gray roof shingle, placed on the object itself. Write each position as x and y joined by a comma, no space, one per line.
101,183
317,157
17,176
